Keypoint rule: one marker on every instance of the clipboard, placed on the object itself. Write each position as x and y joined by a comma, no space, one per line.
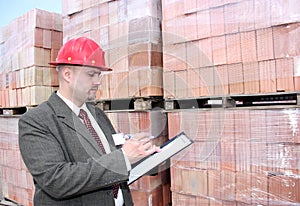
168,149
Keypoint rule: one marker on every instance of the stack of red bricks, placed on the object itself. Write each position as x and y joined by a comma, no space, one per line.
230,47
130,34
213,48
153,189
16,181
239,157
28,44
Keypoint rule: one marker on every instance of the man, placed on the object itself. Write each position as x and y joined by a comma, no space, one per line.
67,143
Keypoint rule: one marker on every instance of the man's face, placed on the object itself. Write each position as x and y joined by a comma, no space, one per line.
85,83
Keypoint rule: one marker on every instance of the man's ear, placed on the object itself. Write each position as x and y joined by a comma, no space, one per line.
66,73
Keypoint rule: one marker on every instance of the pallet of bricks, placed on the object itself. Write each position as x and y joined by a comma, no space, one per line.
246,156
27,44
130,34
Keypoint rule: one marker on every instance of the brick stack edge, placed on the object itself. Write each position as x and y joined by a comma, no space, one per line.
239,157
16,181
230,47
27,44
174,49
130,34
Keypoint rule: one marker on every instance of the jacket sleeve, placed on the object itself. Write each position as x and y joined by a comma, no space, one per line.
45,157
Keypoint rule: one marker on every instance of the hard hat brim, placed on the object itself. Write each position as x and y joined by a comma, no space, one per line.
101,68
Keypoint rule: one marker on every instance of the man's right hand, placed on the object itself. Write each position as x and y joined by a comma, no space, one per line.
138,147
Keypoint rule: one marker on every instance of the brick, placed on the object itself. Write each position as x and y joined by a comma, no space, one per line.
242,141
214,184
221,79
171,9
153,197
104,88
228,146
236,79
119,85
190,6
169,84
193,78
285,39
218,3
283,12
166,194
186,158
265,47
12,97
38,37
182,199
246,15
258,157
47,39
262,14
174,57
243,187
259,191
248,46
181,84
251,78
169,31
219,50
284,74
231,20
284,189
39,94
56,37
144,29
151,82
297,73
233,48
286,132
6,98
207,81
50,77
203,24
194,182
149,183
204,5
228,185
267,76
180,32
217,21
205,52
190,27
192,55
174,126
103,8
69,7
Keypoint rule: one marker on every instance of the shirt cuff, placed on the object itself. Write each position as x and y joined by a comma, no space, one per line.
128,165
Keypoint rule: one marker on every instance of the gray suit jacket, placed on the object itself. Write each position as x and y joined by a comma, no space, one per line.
66,163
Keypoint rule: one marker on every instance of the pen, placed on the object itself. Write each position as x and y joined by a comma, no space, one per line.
129,136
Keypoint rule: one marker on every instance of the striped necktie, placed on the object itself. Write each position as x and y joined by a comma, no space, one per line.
86,120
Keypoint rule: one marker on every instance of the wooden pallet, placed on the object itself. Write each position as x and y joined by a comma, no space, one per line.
15,110
131,104
234,101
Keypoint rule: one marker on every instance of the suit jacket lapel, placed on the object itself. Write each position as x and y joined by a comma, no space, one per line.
69,118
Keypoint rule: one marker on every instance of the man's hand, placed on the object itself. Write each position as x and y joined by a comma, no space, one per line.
138,147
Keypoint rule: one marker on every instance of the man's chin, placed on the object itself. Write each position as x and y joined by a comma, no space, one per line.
91,98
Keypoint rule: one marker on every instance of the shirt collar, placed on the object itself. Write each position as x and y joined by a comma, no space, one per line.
70,104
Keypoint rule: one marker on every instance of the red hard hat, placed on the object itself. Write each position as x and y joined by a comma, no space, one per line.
81,51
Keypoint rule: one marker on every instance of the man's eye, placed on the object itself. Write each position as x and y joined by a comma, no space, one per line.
93,74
